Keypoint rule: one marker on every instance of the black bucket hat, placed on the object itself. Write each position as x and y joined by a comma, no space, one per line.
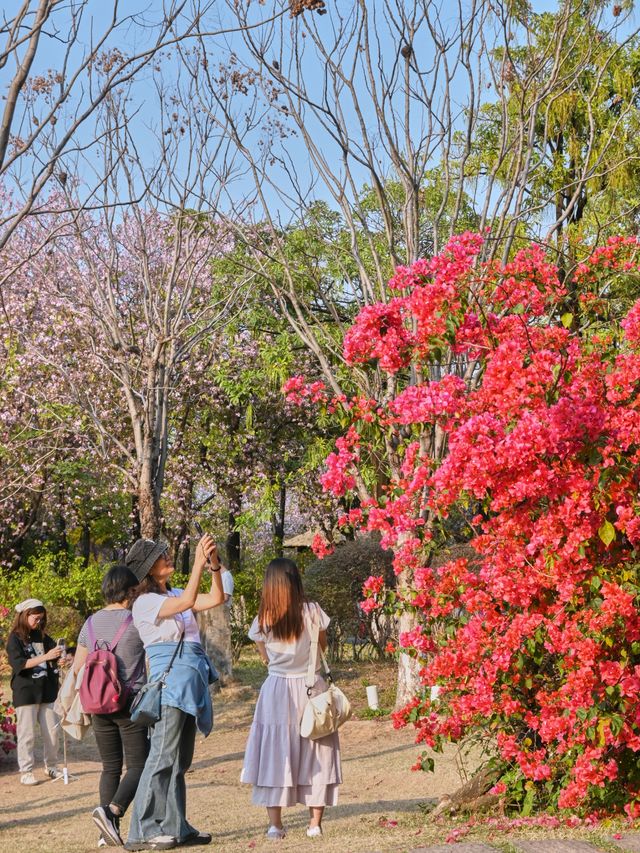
143,554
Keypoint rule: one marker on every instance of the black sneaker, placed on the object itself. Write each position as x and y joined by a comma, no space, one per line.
108,826
196,839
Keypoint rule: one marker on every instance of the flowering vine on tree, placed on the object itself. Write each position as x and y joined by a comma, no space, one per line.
515,420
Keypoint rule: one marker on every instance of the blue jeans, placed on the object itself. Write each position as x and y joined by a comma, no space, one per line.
160,804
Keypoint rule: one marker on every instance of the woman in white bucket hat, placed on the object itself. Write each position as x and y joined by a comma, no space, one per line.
33,657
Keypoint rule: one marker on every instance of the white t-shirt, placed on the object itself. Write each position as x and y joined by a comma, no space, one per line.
291,659
228,584
153,630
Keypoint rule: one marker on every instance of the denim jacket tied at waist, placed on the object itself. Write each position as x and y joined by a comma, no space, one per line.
187,684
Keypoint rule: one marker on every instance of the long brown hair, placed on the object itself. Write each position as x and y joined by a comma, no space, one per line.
282,600
21,627
147,584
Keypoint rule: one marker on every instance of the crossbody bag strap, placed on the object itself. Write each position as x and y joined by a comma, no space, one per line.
325,664
176,651
310,679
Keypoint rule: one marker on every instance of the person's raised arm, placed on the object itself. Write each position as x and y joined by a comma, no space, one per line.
186,600
215,596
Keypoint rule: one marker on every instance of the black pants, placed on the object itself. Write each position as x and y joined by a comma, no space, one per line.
116,736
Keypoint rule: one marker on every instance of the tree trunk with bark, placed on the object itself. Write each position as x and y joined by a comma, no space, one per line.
408,682
277,522
215,630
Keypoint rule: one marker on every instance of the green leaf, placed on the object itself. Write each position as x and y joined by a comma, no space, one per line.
607,533
566,319
527,805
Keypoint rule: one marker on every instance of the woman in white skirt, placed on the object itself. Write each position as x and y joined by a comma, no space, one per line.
283,767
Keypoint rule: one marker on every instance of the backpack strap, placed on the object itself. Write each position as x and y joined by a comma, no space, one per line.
118,636
91,634
93,641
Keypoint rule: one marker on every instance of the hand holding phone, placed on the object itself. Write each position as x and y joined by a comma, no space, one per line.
62,645
201,533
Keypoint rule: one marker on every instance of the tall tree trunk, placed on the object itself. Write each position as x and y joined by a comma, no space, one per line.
149,511
215,631
85,543
134,529
408,683
408,668
185,562
277,522
233,535
61,526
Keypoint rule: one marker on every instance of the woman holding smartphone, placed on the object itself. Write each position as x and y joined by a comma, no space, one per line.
33,657
163,616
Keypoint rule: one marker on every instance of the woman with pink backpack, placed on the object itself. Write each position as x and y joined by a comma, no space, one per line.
110,649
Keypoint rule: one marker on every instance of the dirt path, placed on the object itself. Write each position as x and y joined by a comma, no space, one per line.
378,791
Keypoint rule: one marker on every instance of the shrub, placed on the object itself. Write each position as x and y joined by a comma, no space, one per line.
335,582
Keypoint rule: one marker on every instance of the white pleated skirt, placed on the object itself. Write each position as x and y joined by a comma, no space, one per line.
284,768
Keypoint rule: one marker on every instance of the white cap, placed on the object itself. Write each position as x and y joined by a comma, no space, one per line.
29,604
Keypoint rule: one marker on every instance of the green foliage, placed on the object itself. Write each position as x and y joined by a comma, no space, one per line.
69,589
373,713
335,582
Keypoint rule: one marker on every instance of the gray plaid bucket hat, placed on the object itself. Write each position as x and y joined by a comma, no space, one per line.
143,554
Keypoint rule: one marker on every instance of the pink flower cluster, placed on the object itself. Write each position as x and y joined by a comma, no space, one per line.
297,390
321,547
379,333
338,477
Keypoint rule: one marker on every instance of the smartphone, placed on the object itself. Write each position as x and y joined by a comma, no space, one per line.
62,643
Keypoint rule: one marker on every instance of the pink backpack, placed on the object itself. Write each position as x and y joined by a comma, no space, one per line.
100,690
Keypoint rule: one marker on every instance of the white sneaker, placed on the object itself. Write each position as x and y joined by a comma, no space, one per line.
276,833
102,842
314,832
53,773
28,779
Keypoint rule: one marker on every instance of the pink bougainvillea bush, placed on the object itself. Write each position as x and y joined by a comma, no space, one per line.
7,726
512,405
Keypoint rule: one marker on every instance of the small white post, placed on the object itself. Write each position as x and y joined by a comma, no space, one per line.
372,697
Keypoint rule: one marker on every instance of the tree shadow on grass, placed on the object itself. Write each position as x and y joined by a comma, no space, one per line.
218,759
53,816
299,819
408,746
